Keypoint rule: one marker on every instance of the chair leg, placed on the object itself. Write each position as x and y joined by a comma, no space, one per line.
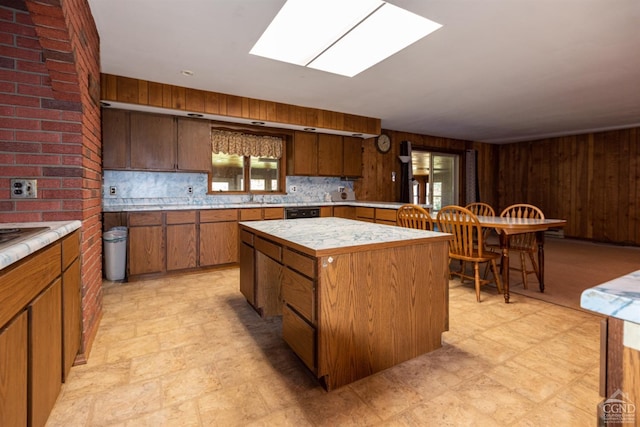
496,275
523,270
535,265
462,268
476,269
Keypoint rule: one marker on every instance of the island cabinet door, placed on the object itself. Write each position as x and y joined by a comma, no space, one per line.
247,273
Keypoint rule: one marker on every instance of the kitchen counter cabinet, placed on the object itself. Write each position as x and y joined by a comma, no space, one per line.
13,371
146,243
45,355
181,240
40,329
386,216
218,237
354,302
71,302
347,212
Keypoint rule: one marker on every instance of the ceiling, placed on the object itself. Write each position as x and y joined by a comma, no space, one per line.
498,71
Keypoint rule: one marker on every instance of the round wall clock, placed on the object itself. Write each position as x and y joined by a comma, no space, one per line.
383,143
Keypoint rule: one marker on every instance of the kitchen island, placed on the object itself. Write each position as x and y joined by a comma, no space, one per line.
355,298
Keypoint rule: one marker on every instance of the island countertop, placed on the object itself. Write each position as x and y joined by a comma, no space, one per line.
619,298
330,235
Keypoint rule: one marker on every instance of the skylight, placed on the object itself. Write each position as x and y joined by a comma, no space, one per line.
338,36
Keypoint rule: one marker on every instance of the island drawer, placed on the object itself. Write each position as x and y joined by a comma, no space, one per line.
301,263
298,292
272,250
217,215
246,237
300,336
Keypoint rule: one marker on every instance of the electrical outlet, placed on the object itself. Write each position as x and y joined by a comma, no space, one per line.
340,189
112,191
24,188
190,189
293,188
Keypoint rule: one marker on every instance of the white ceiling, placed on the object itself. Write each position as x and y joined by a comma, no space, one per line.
498,71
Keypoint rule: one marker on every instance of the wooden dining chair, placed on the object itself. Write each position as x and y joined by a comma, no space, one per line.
414,216
524,243
463,225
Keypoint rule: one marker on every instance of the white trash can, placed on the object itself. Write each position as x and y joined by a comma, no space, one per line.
115,253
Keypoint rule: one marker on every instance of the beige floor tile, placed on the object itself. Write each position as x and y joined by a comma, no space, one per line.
527,382
189,350
123,403
189,384
183,414
494,399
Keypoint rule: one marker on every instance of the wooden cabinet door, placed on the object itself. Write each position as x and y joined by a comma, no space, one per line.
71,316
268,285
13,372
146,249
352,156
181,246
218,243
45,353
115,138
302,158
153,141
194,145
247,273
329,155
348,212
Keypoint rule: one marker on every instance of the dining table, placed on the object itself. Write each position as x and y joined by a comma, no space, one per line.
508,226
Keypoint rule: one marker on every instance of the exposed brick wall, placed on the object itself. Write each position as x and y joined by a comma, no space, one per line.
50,126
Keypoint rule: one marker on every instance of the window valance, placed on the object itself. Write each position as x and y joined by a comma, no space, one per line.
246,145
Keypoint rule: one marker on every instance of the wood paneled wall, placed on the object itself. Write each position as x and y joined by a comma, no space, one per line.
591,180
377,169
142,92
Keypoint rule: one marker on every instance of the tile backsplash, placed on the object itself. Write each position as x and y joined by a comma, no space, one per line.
171,188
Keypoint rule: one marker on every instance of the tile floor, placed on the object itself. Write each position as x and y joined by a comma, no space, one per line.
189,351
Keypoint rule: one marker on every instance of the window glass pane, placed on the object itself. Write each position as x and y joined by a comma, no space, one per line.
227,172
264,174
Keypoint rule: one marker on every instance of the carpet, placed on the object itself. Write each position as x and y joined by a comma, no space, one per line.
571,266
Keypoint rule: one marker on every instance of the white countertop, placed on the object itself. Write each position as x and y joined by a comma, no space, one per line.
323,234
24,248
161,205
619,298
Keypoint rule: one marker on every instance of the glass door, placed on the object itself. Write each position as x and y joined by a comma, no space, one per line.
435,178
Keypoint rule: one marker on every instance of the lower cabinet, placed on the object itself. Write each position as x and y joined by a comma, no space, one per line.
218,237
348,212
181,240
40,331
13,372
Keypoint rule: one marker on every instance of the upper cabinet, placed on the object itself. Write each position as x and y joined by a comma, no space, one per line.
313,154
194,144
153,141
144,141
302,154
